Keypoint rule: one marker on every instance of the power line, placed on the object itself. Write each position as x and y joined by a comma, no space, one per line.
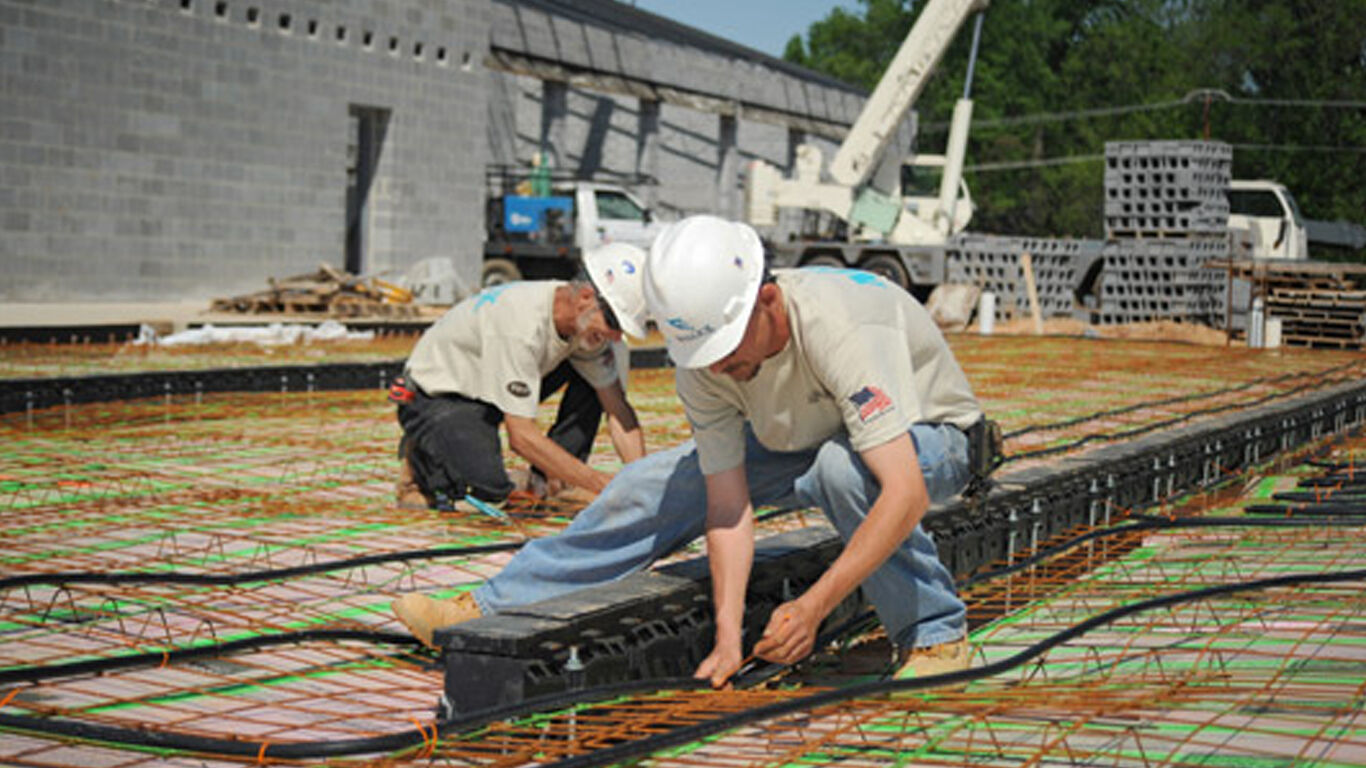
1193,97
1013,165
1298,148
1045,162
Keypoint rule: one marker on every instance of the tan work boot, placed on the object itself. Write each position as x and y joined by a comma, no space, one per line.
423,615
407,494
952,656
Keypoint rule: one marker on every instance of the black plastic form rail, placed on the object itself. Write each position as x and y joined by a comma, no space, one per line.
659,623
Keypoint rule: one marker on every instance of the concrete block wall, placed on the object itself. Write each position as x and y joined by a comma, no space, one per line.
193,148
602,134
533,31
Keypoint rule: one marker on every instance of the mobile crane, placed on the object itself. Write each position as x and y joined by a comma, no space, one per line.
898,235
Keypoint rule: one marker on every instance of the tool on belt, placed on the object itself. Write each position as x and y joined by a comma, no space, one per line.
399,391
985,454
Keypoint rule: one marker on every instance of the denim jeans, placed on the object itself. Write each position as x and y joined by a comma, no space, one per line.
657,504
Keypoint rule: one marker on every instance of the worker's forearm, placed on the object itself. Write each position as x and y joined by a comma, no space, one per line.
629,441
547,455
730,551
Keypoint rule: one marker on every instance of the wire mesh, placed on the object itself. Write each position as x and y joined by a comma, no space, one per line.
223,485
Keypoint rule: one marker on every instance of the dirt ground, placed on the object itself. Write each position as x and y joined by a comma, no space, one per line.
1166,330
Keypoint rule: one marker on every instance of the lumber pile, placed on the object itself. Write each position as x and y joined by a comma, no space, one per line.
328,292
1320,304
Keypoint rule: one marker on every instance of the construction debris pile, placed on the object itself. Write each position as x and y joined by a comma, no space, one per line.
328,292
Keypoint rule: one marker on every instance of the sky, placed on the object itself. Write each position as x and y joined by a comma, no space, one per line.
764,25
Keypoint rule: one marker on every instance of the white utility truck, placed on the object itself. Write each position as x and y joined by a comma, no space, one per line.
538,236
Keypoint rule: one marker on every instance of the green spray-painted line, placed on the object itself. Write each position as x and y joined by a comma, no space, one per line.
1265,487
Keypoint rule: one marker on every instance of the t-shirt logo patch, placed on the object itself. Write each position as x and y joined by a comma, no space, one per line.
872,402
519,388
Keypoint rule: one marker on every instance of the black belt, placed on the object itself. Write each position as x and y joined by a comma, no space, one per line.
984,453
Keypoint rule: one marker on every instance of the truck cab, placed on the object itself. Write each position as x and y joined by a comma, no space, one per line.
607,213
921,178
1265,221
541,236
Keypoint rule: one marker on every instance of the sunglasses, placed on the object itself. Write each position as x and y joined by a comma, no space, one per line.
608,316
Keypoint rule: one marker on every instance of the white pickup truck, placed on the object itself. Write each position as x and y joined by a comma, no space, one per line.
539,236
1265,221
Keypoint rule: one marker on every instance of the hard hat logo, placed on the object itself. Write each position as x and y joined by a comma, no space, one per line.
613,271
703,275
689,333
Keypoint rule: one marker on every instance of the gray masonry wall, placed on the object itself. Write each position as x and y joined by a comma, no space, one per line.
602,134
194,148
188,149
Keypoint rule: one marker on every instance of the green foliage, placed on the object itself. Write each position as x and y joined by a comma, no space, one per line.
1277,60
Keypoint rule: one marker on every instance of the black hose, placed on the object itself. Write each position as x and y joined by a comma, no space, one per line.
232,579
1072,422
1326,509
651,744
1144,429
108,664
247,577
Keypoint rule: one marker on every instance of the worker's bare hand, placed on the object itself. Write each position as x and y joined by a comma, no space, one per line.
720,666
790,634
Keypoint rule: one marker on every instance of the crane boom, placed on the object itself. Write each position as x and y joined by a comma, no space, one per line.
924,46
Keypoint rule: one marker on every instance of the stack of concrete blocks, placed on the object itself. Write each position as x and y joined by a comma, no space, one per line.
1156,189
993,263
1162,279
1166,216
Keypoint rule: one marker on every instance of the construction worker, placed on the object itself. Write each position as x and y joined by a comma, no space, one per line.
829,388
831,385
494,357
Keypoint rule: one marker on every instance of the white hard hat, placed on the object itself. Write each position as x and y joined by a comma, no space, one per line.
615,271
701,279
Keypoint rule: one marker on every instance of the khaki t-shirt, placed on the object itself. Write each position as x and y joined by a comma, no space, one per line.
864,357
496,346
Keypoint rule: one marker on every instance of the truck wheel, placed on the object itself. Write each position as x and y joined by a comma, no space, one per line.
499,271
890,267
825,260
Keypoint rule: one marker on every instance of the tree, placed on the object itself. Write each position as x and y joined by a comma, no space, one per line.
1046,66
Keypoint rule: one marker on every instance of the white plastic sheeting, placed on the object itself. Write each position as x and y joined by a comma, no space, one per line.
275,334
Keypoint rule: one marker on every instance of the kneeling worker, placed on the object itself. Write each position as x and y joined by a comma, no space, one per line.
835,386
495,356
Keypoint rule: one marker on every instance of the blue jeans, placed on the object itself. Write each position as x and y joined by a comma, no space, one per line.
658,504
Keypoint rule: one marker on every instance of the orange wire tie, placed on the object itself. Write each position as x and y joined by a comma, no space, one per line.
9,697
165,659
261,753
428,747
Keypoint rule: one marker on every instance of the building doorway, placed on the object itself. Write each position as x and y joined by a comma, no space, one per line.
367,129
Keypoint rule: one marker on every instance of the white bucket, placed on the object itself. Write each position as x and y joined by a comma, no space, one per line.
986,313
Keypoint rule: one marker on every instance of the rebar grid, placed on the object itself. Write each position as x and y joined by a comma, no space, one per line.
225,484
1277,676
